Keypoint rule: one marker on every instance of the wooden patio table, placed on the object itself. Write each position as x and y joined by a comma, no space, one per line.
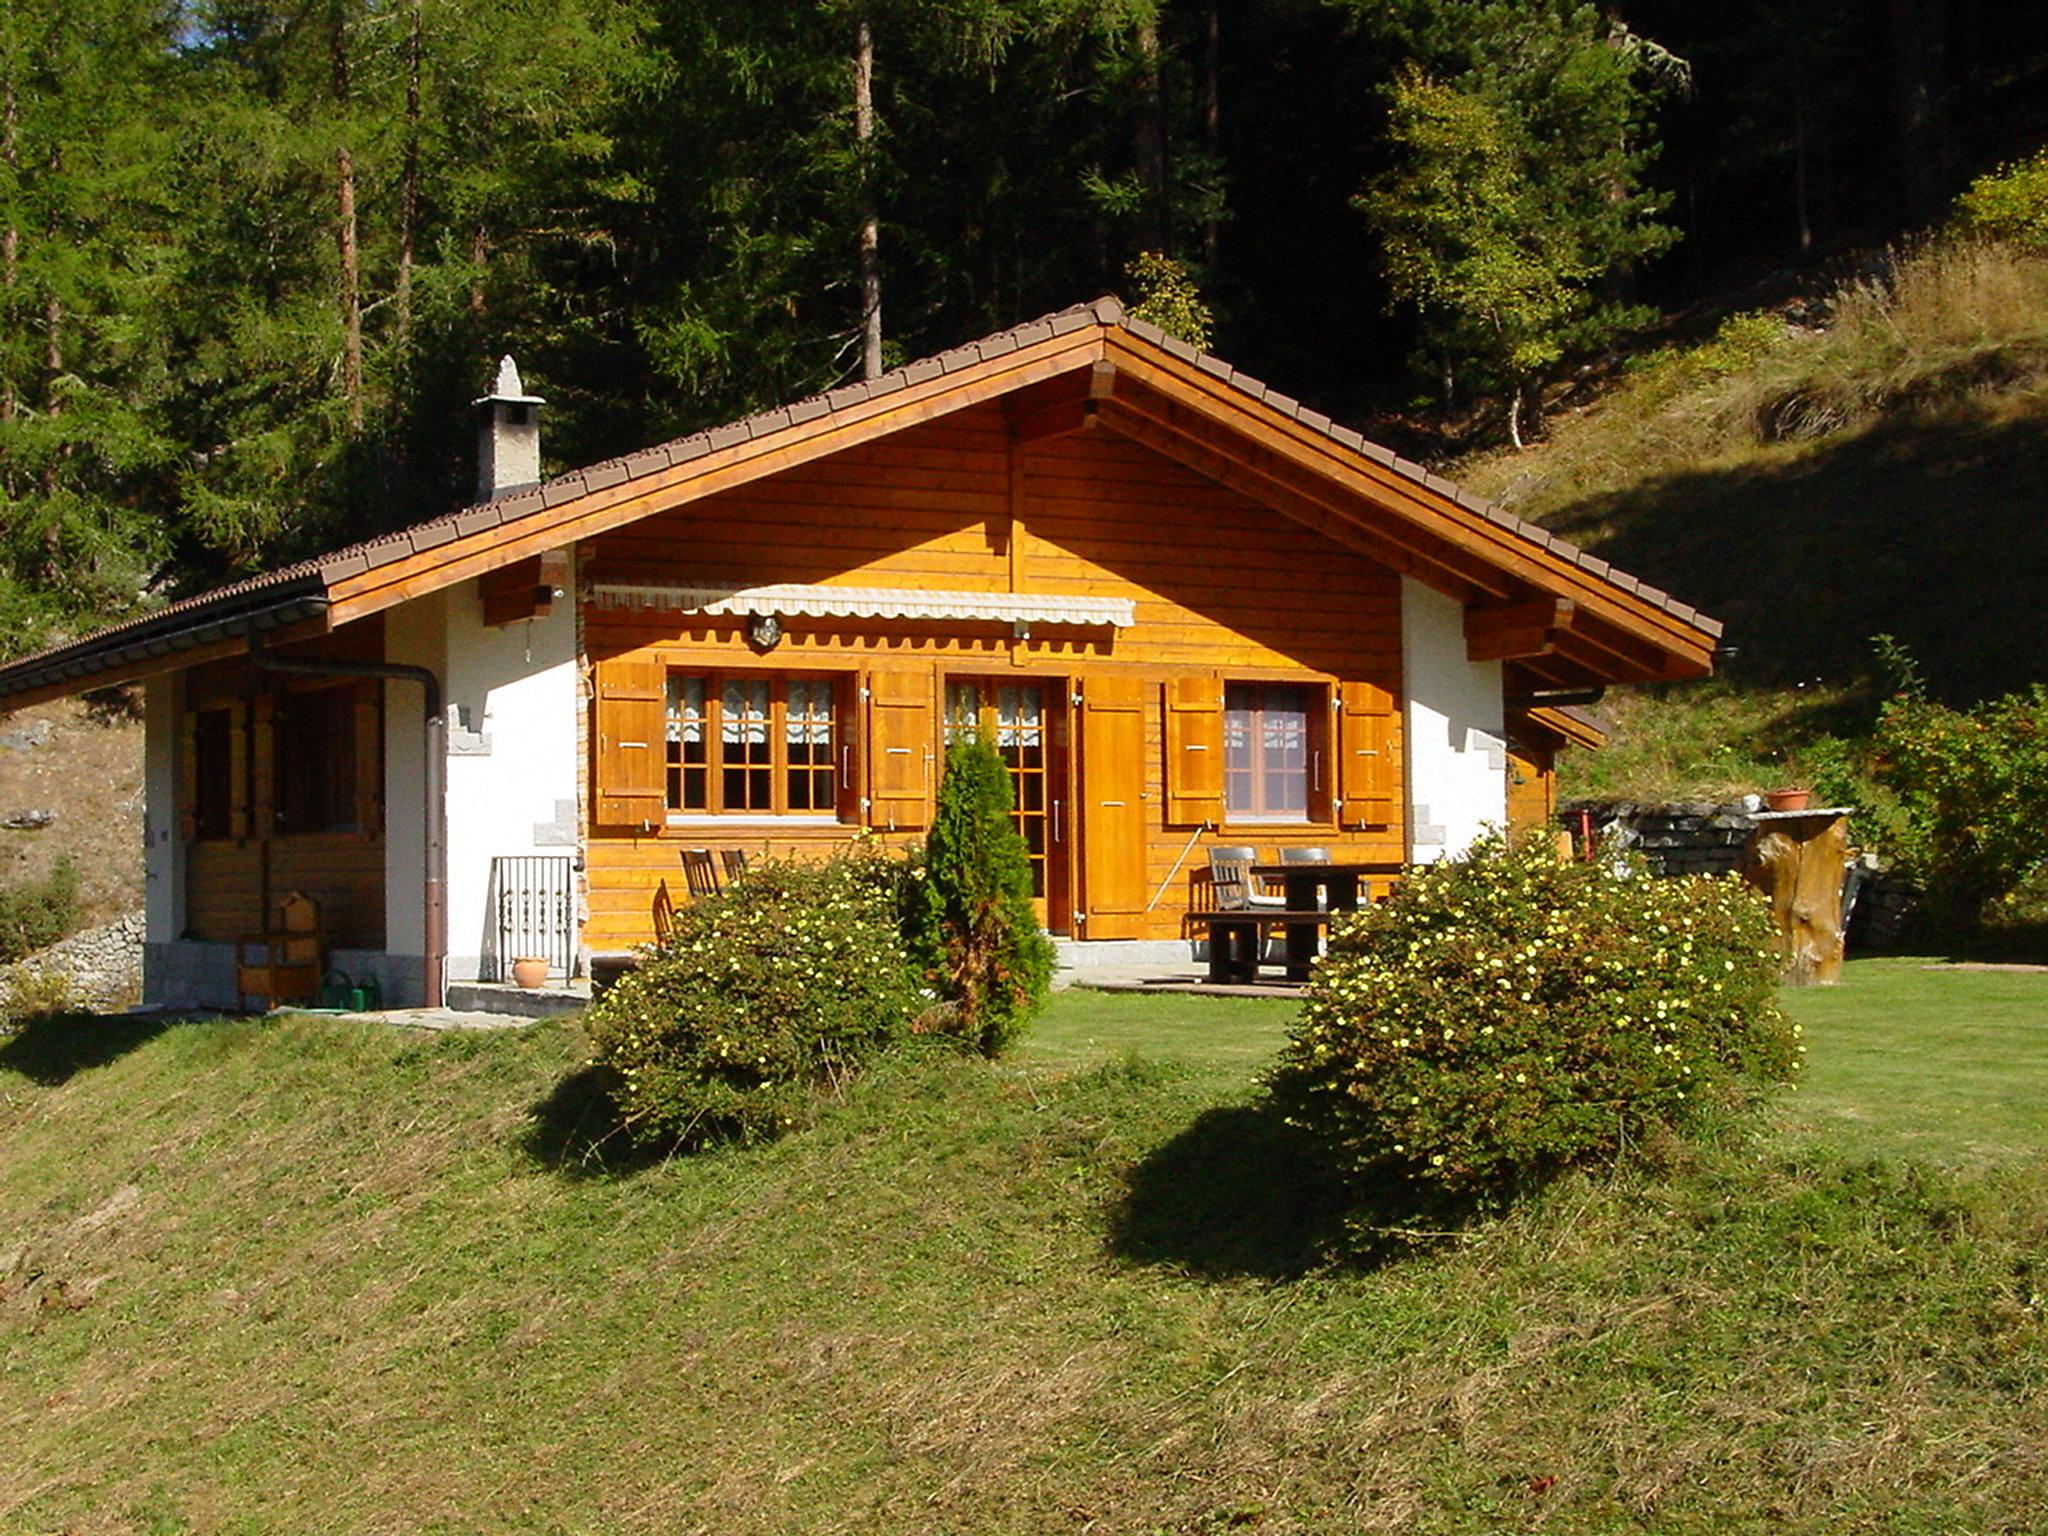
1333,887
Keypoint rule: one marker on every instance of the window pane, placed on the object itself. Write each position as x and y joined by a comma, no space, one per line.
963,710
213,781
807,735
1266,762
688,751
316,761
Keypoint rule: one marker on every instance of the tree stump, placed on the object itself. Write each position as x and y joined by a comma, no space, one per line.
1797,858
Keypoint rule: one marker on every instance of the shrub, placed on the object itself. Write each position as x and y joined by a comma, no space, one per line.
1972,788
36,913
1505,1016
761,997
2010,204
970,919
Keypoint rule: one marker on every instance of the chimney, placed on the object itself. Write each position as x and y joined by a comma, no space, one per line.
508,437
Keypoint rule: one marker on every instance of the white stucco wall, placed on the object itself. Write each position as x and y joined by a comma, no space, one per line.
414,635
512,755
1457,751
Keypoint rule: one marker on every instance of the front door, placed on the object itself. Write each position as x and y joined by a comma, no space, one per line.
1113,819
1025,720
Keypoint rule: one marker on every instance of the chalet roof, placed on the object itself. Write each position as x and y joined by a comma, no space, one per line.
323,586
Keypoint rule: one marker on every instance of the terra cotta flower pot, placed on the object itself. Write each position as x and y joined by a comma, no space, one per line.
1787,799
529,971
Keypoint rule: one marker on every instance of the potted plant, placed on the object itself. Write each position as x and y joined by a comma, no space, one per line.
1794,798
529,971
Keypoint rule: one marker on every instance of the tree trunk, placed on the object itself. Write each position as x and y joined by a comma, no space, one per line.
1920,104
1212,122
1515,416
408,200
345,230
870,220
10,238
479,252
1148,143
53,407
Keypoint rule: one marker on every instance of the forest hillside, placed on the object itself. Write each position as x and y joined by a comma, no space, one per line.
1870,461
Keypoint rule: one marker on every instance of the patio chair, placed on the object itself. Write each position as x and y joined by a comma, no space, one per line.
735,862
1235,887
1309,856
664,913
700,873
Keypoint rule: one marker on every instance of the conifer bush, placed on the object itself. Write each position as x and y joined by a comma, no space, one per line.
778,988
1506,1015
970,919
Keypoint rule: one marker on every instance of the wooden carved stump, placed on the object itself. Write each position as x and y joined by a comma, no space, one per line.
1798,858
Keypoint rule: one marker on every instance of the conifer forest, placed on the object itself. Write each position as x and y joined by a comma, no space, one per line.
258,256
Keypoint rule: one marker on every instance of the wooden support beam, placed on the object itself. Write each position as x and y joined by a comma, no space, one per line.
1507,631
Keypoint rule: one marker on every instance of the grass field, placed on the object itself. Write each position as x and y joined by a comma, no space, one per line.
314,1276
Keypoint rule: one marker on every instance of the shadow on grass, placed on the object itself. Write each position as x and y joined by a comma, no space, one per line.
1238,1193
51,1051
576,1130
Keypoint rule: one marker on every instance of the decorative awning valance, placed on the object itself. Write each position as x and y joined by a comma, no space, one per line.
820,602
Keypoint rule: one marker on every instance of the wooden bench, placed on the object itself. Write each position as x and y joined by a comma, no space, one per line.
1237,935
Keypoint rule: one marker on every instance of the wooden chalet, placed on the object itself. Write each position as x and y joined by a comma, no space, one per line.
1188,610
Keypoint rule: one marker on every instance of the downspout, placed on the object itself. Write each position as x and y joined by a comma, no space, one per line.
436,824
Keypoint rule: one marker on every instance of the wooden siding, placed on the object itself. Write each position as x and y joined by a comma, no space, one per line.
1222,588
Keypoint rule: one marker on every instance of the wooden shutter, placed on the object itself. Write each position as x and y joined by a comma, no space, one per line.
848,770
369,745
260,775
630,783
1365,747
1194,751
241,792
188,777
899,749
1113,821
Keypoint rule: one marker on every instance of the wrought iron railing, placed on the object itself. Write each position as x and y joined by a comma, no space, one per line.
533,898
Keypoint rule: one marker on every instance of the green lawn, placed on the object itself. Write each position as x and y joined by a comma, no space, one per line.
1931,1063
316,1276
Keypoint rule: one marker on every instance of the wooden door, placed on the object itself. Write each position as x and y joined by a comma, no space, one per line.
1113,819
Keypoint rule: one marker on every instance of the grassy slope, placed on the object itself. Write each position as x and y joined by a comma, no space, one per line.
321,1277
1887,473
89,772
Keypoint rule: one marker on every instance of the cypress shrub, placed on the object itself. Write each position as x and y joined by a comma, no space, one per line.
970,922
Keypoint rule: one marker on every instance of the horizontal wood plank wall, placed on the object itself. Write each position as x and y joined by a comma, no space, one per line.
1220,586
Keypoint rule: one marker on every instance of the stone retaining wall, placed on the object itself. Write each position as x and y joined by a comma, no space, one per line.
100,968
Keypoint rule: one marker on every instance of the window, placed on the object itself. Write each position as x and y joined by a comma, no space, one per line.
1012,718
1271,751
316,761
752,746
213,774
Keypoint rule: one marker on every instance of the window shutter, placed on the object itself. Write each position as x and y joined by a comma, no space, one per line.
188,777
1365,737
261,773
369,744
1194,751
630,786
846,747
899,750
239,807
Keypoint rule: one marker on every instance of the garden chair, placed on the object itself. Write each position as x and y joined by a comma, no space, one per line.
735,862
1309,856
700,873
1234,885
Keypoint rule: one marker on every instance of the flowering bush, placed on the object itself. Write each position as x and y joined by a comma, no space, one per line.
1972,788
1507,1015
784,984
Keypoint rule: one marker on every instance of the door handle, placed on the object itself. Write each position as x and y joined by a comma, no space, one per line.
846,766
1056,820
